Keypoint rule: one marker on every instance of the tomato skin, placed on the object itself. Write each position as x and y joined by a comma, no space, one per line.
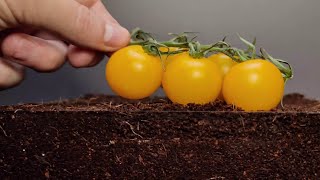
254,85
133,74
225,63
168,58
188,80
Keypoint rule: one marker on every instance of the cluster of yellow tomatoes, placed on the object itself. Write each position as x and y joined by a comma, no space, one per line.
251,85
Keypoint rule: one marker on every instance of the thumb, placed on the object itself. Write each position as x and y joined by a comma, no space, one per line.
73,21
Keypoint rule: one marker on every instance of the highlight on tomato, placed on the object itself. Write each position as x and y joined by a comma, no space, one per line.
133,74
190,80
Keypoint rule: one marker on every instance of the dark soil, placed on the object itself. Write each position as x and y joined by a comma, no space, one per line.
104,137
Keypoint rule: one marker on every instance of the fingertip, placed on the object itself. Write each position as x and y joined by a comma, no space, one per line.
116,37
11,43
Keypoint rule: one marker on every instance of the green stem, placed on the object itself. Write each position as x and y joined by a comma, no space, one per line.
181,45
287,71
174,44
196,50
132,43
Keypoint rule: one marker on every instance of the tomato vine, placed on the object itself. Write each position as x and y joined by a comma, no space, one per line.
198,50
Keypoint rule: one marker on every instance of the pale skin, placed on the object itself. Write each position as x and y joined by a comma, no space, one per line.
44,34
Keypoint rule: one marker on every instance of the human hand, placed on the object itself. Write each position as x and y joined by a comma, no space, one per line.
42,34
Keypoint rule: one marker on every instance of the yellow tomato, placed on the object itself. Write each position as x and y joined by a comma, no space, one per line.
133,74
188,80
254,85
167,58
225,63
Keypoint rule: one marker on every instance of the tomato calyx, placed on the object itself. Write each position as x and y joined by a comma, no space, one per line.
184,43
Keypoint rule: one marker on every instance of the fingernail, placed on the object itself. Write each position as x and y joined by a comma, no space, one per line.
115,37
108,33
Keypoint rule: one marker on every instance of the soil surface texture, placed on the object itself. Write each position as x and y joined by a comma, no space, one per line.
106,137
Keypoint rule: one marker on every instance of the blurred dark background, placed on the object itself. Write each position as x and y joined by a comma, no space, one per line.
288,29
